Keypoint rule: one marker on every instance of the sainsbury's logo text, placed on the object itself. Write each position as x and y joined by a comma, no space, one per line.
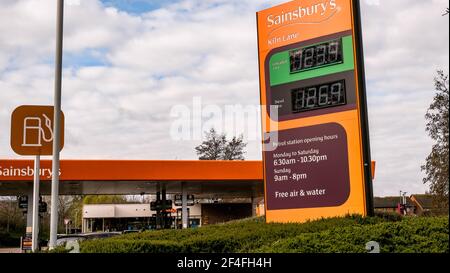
27,172
301,12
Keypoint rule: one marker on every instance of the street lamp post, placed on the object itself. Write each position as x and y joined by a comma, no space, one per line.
56,124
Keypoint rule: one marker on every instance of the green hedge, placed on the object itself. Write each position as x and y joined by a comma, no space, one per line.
349,234
414,235
9,239
131,246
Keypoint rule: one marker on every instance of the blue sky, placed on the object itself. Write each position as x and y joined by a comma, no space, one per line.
135,6
128,63
87,57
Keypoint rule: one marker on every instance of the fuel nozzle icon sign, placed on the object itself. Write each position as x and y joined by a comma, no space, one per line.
32,130
35,124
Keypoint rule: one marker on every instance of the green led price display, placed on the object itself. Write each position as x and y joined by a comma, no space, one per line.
318,96
319,55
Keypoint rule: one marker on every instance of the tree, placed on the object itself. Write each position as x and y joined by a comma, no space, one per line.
75,211
11,217
436,166
212,148
216,147
234,149
105,199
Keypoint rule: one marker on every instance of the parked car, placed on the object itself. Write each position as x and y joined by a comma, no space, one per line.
130,231
71,240
99,235
63,239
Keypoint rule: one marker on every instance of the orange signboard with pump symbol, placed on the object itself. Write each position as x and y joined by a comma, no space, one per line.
32,130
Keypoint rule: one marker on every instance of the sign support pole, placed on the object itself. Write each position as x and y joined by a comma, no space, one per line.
56,125
184,211
35,224
364,113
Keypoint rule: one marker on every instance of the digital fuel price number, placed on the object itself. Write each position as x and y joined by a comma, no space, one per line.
318,96
315,56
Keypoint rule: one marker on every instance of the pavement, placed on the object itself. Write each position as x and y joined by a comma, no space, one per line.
10,250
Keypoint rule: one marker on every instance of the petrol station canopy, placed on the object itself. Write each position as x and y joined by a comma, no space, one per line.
203,178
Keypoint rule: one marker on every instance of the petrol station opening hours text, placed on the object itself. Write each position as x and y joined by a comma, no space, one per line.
313,158
308,140
302,159
294,177
284,161
290,154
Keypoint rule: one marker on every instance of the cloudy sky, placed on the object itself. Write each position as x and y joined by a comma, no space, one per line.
127,63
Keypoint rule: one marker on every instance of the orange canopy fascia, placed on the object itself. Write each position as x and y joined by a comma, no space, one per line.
111,170
143,170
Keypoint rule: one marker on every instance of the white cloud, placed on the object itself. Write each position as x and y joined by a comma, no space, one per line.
405,42
90,25
208,49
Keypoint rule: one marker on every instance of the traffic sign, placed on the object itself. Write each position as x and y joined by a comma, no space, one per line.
27,243
159,205
23,202
32,130
317,159
178,200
